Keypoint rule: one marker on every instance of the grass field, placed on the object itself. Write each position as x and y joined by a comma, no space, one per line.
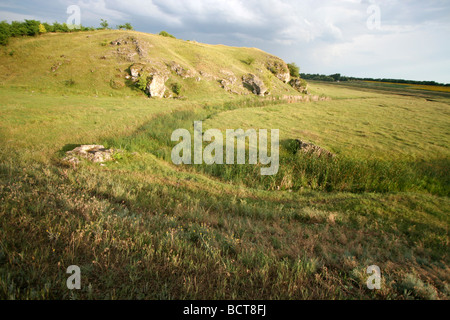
143,228
416,86
436,93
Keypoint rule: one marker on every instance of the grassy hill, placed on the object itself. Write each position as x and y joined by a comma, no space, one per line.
142,228
86,63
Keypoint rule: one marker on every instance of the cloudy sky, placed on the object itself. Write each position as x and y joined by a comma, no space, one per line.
405,39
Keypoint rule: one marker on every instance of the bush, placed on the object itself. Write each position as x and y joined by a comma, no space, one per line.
104,24
126,26
294,70
18,29
166,34
142,82
116,84
5,33
32,27
249,61
48,27
42,28
69,83
176,88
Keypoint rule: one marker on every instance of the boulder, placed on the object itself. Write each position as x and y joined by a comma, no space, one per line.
312,149
180,71
135,70
94,153
228,82
156,87
255,84
118,42
299,84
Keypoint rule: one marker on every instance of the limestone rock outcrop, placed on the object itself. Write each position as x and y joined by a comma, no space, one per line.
299,84
279,69
255,84
156,86
93,153
310,148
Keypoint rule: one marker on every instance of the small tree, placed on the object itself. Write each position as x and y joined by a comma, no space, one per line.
32,27
126,26
294,70
5,33
166,34
104,24
142,81
42,29
57,27
176,88
48,27
65,27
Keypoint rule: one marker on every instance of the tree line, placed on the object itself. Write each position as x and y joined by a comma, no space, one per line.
35,27
338,78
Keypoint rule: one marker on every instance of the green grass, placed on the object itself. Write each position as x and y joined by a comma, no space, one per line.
142,228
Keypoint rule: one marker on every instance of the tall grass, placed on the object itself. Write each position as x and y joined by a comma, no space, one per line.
297,171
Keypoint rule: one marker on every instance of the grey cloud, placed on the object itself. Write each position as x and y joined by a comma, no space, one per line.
321,36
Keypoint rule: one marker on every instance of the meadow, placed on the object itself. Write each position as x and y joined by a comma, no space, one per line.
142,228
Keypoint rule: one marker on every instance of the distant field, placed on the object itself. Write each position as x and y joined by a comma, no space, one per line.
430,92
415,86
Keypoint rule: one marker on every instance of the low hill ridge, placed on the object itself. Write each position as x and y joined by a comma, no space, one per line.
111,62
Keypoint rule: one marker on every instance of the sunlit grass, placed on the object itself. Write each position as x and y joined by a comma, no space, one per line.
142,228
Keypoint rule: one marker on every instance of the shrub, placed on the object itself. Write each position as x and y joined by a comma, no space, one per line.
42,28
104,24
249,61
116,84
32,27
18,29
5,33
48,27
69,83
294,70
142,82
166,34
176,88
418,288
126,26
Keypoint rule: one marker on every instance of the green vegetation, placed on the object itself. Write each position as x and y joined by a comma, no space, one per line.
166,34
249,61
5,33
142,228
294,70
126,26
32,28
176,88
104,24
142,82
338,77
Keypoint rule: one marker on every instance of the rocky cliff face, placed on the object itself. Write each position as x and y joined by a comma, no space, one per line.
279,69
158,71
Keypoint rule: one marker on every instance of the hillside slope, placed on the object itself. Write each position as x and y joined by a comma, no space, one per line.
98,63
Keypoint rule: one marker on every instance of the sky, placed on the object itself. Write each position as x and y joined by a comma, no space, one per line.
401,39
